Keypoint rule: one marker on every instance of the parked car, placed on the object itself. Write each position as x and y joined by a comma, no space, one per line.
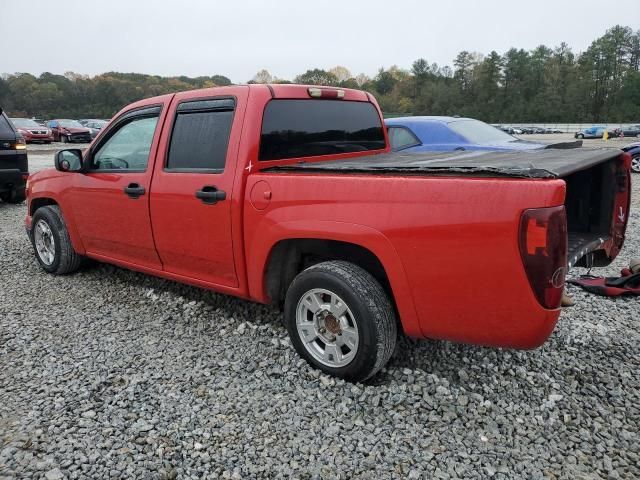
31,131
69,131
288,194
633,149
595,132
14,167
631,131
424,134
94,125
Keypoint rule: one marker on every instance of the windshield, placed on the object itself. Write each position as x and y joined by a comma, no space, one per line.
479,132
25,123
70,124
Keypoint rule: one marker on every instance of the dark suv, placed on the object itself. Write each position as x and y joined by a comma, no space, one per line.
14,168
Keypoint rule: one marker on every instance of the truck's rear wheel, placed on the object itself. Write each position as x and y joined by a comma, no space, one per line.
51,242
14,196
340,320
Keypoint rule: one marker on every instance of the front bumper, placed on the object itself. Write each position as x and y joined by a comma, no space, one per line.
33,137
80,138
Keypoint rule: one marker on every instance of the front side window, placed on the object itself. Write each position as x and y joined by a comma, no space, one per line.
305,128
401,138
128,148
200,135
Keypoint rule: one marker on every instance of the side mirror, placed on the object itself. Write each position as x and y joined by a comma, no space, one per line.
69,160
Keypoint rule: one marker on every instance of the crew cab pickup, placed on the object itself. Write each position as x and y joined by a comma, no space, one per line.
289,194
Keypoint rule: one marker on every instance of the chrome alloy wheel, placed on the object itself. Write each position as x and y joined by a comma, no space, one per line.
45,243
327,328
635,164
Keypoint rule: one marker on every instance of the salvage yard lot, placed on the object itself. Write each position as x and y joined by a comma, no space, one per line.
110,373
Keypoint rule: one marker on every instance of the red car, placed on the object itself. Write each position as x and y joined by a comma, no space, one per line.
288,194
32,131
69,131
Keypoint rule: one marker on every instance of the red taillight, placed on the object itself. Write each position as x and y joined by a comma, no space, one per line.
626,160
543,247
316,92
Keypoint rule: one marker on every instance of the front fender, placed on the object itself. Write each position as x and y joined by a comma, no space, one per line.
47,191
261,246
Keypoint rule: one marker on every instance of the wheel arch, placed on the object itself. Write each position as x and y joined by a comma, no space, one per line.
40,202
287,249
47,200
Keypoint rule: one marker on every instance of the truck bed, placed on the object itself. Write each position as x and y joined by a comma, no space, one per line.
547,163
589,173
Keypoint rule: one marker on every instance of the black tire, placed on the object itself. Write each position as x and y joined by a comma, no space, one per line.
14,196
635,164
372,310
65,260
580,136
64,139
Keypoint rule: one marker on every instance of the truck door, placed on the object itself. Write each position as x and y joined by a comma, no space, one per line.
192,190
110,200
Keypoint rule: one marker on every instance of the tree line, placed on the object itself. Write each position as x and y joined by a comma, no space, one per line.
601,84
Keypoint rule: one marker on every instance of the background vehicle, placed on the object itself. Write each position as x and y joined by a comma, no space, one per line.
425,134
14,168
633,149
68,131
288,194
31,131
595,132
631,131
94,125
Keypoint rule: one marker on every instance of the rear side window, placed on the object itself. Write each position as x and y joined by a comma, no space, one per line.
200,135
306,128
401,138
6,132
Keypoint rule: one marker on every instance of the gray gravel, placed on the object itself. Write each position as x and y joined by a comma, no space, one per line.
113,374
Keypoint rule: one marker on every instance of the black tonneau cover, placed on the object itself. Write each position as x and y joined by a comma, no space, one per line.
545,163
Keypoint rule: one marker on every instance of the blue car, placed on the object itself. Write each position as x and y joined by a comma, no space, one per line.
595,132
446,134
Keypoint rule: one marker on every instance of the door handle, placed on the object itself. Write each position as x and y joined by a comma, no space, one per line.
211,195
134,190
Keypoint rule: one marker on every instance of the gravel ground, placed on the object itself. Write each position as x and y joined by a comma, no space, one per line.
113,374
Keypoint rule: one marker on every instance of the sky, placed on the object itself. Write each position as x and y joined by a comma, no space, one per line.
286,37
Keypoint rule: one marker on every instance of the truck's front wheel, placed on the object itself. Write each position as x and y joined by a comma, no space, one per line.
340,320
51,242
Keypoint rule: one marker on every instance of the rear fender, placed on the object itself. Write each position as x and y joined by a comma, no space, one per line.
261,246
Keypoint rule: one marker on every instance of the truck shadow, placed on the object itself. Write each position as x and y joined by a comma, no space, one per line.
445,360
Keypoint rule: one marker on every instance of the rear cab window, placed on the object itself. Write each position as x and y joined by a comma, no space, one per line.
297,128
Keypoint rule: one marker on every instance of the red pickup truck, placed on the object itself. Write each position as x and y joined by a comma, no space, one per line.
289,194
